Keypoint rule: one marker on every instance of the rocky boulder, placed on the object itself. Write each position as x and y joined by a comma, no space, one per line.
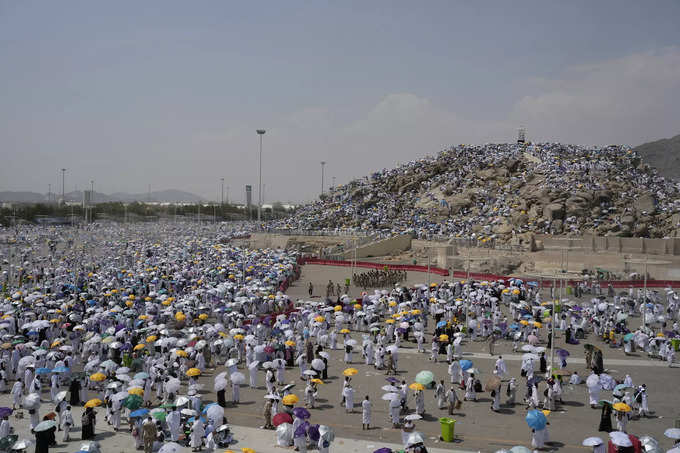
553,211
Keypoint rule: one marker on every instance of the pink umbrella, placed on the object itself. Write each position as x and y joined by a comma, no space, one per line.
532,339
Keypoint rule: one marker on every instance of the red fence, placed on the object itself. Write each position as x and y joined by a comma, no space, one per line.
488,277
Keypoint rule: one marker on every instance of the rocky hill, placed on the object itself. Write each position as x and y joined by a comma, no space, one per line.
497,191
662,154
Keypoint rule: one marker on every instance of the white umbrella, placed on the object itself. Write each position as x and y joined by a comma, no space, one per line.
318,364
60,396
231,362
310,373
31,401
181,401
390,388
215,412
171,447
253,365
672,433
188,412
237,378
220,384
592,441
222,375
22,444
391,396
620,439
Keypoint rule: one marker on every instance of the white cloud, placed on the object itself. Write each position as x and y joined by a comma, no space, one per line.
625,100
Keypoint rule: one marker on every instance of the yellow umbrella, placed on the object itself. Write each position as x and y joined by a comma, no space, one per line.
6,345
143,317
515,291
357,306
193,372
392,303
319,319
238,336
55,343
165,302
203,316
139,346
443,337
546,412
344,330
151,338
222,334
179,316
136,391
181,353
538,324
621,407
290,343
415,312
54,321
291,399
524,322
337,308
98,377
247,450
129,303
94,402
389,321
350,371
317,381
416,386
108,340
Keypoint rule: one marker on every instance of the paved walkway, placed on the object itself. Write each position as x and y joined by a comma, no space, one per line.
262,441
570,360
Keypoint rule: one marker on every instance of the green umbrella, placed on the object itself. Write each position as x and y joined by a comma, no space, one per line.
8,441
133,402
159,415
425,377
628,337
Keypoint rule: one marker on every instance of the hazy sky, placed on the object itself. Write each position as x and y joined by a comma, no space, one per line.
169,93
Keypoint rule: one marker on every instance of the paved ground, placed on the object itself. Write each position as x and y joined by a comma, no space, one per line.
477,428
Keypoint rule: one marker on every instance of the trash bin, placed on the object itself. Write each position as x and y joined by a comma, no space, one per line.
447,428
675,342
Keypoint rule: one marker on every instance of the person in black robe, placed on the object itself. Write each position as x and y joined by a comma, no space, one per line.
42,442
598,363
74,389
88,420
220,398
606,418
543,364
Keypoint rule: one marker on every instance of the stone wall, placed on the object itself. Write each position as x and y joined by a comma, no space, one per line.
611,244
382,247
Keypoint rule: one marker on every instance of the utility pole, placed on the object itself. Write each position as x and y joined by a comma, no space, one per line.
260,132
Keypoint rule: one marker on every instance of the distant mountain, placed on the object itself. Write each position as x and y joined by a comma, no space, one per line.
163,196
22,197
663,154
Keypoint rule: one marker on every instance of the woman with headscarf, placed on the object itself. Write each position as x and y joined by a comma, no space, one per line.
606,418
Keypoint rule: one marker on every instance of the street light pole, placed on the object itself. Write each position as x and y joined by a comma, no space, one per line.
63,190
222,198
323,164
260,132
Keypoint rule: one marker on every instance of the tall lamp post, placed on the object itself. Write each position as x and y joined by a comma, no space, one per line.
260,132
323,164
63,190
222,198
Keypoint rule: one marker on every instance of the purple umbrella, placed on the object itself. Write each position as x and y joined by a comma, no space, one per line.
313,432
391,380
301,431
5,411
562,353
301,412
383,450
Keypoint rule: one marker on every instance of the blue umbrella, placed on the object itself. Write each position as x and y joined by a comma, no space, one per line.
514,326
465,365
206,407
441,324
61,369
536,419
139,413
193,419
43,371
142,375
